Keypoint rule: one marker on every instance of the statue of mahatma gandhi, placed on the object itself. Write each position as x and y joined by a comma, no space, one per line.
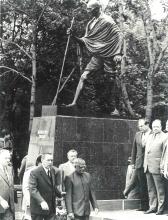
103,39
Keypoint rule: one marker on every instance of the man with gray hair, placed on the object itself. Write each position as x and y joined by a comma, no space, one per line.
79,192
68,167
6,187
152,168
103,40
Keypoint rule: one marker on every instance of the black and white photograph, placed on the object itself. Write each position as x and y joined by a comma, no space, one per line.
83,109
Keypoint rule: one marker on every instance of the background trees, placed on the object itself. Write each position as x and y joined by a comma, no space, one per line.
33,39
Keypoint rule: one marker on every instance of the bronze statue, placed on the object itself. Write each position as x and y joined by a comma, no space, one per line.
103,39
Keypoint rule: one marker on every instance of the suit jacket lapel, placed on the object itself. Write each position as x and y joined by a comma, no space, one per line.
4,176
140,137
45,177
10,175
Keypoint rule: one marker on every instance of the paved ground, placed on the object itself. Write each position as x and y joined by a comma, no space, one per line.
119,215
18,216
128,214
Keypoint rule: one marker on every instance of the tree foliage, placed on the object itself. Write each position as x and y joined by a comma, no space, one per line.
53,18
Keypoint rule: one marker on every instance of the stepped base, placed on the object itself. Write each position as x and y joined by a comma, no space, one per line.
119,204
117,215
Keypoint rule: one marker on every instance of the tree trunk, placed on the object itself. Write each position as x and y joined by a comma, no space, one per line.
123,86
149,95
151,42
33,88
123,66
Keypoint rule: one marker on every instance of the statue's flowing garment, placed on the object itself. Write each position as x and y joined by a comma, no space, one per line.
104,39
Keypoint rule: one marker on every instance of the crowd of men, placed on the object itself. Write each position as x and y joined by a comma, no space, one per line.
149,161
43,183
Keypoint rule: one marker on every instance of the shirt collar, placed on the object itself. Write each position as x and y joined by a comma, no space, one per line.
46,170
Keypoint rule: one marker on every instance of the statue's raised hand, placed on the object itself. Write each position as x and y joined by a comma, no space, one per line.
117,58
69,31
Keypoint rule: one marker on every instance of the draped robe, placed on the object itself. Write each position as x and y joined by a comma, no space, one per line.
104,39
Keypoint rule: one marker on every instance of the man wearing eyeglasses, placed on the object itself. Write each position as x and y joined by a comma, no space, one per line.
79,193
152,167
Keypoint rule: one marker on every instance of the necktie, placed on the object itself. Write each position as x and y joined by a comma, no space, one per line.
6,174
49,173
143,139
154,135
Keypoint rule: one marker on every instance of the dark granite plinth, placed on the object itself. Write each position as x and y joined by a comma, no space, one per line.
49,110
104,143
53,110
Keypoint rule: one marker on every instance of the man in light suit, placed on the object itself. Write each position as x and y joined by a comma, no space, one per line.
6,187
152,162
66,170
79,192
164,158
43,184
137,160
68,167
25,189
164,163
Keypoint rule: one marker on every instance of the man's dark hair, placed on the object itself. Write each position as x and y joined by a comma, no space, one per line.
146,122
38,160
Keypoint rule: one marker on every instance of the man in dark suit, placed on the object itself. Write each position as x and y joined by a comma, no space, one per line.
152,167
131,190
79,192
6,187
43,184
137,159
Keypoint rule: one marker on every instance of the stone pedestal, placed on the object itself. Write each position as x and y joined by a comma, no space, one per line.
53,110
104,143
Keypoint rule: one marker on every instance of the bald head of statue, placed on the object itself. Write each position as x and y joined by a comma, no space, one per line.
93,4
94,8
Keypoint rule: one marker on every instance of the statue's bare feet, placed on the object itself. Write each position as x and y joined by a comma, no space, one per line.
71,105
115,112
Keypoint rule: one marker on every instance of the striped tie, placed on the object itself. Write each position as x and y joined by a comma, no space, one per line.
6,173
